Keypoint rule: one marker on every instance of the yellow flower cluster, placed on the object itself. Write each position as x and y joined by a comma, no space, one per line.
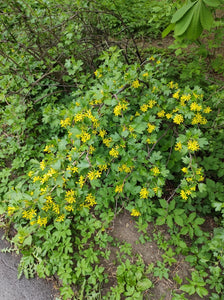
198,119
195,107
193,145
135,84
114,152
155,171
135,213
178,146
94,174
125,168
66,122
29,214
178,119
144,193
70,196
119,108
119,188
151,127
161,113
90,200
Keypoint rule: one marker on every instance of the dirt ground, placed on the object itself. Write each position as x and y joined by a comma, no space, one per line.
124,230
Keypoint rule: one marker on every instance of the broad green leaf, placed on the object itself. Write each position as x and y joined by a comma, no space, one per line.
188,289
206,17
195,28
167,30
201,291
28,241
179,220
160,221
144,285
169,221
163,203
213,3
181,12
182,25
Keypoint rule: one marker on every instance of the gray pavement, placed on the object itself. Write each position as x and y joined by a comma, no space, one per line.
12,288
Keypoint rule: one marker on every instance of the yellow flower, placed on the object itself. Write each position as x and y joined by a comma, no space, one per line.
48,148
197,119
185,170
150,128
135,213
144,108
90,200
56,208
114,152
207,110
178,146
161,113
81,181
42,221
60,218
185,97
102,133
193,145
11,210
66,122
30,174
158,62
107,141
176,95
155,189
183,195
135,84
70,196
85,136
42,165
151,103
145,74
36,178
69,208
178,118
155,171
168,116
94,174
119,188
144,193
195,107
152,58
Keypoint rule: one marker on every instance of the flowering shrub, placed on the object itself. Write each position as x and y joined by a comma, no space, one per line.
126,136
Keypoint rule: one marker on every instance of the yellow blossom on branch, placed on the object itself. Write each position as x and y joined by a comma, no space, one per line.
144,193
135,213
178,119
178,146
155,171
193,145
114,152
135,84
151,127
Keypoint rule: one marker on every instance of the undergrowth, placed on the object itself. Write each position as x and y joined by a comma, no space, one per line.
84,137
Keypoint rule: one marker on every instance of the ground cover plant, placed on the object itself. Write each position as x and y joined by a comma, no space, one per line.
89,132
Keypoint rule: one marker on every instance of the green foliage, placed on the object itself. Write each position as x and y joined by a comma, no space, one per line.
192,18
86,132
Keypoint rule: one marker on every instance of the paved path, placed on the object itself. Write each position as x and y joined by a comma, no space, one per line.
23,289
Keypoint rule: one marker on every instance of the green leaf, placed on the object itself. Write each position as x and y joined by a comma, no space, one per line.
167,30
181,12
188,289
163,203
201,291
206,17
160,220
195,28
182,25
28,241
213,3
169,221
202,187
144,285
179,220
